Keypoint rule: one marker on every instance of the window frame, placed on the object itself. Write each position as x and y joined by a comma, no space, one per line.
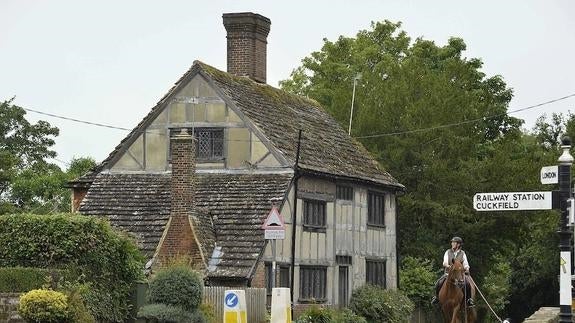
344,193
373,278
376,217
308,293
194,130
318,222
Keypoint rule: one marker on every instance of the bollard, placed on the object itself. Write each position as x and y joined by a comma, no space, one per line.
281,306
235,307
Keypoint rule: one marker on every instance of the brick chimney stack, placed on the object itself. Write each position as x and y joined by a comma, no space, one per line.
247,42
179,239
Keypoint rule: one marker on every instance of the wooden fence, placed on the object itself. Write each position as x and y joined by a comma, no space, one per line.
255,302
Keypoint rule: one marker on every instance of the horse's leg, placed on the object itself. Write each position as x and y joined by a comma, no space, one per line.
455,314
471,315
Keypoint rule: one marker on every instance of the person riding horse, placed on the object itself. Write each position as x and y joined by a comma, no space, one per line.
455,252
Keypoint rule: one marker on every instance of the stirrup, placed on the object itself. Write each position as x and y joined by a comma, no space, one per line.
434,300
470,302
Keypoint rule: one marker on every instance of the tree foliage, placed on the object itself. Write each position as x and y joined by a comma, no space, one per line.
28,182
440,126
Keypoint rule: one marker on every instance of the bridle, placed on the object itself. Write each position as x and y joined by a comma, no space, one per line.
456,276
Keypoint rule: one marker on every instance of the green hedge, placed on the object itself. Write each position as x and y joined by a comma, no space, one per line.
100,256
376,304
23,279
178,286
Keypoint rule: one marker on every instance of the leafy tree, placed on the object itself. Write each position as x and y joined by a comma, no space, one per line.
439,125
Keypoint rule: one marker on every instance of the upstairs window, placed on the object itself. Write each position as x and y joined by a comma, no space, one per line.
376,209
209,143
344,193
314,215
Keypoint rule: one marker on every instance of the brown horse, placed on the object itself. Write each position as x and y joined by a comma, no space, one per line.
452,295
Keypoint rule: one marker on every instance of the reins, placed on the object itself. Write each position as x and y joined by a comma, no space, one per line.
483,297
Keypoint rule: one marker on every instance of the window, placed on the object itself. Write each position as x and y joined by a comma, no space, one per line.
281,281
312,283
344,193
314,215
375,209
375,272
343,260
209,143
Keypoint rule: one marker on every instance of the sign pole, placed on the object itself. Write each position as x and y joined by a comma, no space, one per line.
273,278
565,300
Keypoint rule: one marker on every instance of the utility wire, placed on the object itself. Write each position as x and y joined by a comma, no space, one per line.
77,120
467,121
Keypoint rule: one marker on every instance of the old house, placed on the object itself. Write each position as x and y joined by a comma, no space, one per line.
197,175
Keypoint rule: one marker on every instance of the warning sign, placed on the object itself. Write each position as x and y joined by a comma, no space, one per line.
274,225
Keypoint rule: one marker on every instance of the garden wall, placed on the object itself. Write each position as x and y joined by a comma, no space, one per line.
9,308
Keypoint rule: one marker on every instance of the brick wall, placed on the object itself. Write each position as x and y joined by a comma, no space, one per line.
247,44
259,278
179,240
78,195
9,308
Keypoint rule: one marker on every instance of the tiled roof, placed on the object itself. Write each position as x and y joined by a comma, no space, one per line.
236,203
325,146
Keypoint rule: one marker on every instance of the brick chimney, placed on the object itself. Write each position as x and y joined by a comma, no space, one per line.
179,239
247,42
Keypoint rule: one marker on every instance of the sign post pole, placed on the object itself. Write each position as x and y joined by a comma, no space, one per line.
565,298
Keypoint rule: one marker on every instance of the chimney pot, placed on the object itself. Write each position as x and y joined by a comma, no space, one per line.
247,34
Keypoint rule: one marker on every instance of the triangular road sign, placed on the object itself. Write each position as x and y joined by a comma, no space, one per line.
274,221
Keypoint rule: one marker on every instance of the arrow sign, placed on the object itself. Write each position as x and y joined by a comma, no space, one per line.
512,201
231,300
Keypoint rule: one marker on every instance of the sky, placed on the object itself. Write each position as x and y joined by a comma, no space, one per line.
110,61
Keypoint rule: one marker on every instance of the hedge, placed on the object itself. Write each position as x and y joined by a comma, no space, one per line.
100,256
23,279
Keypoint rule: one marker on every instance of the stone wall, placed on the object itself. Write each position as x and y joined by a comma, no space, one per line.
9,308
544,315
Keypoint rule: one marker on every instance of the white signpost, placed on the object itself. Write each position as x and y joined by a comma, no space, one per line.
512,201
274,229
550,174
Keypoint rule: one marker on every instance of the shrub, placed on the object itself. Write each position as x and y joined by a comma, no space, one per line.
178,286
79,313
347,316
417,279
208,311
376,304
87,246
23,279
169,313
41,305
316,314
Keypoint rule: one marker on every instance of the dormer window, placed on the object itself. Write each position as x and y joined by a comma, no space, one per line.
209,143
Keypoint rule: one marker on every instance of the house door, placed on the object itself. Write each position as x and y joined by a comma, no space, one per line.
343,286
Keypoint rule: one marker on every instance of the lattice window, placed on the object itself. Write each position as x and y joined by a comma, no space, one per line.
312,283
344,193
376,209
209,144
314,215
375,272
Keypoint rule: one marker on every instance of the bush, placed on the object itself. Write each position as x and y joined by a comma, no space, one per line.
79,313
86,246
376,304
208,311
347,316
178,286
316,314
23,279
169,313
417,280
45,306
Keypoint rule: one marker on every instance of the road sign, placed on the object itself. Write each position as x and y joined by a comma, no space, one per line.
231,300
275,234
274,221
550,175
512,201
235,309
274,225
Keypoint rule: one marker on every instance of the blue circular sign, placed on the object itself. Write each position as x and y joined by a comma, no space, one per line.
231,300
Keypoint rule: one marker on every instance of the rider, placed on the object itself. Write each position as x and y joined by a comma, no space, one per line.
455,252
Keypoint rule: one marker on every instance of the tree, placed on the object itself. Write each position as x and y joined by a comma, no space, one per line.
439,125
28,182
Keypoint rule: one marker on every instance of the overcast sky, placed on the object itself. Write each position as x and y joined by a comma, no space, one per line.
110,61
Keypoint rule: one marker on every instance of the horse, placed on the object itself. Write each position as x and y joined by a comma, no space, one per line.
452,295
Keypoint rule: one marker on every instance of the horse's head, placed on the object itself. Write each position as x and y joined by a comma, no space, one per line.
456,274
